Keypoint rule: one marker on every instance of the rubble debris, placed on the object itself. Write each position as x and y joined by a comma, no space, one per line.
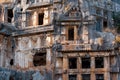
37,76
8,74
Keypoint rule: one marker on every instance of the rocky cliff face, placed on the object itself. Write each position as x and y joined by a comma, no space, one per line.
5,1
117,1
116,5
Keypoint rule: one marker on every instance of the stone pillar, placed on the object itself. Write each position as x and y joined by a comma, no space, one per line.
23,2
92,68
65,68
106,66
5,13
29,57
75,33
79,68
46,17
85,34
35,19
48,59
23,21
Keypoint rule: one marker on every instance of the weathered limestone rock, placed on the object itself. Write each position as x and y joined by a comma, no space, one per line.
57,40
37,76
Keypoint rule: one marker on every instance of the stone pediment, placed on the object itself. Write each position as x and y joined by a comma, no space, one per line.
72,13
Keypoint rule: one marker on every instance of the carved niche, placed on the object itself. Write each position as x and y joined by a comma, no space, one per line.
34,40
24,43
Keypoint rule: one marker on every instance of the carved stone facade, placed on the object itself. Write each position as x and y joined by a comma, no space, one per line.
59,39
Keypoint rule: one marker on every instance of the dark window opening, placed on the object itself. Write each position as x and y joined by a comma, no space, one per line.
11,78
71,34
105,14
21,9
85,62
37,0
98,11
27,2
39,59
104,24
10,15
40,18
72,63
0,10
73,77
19,1
98,25
85,76
99,77
11,62
99,62
114,76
